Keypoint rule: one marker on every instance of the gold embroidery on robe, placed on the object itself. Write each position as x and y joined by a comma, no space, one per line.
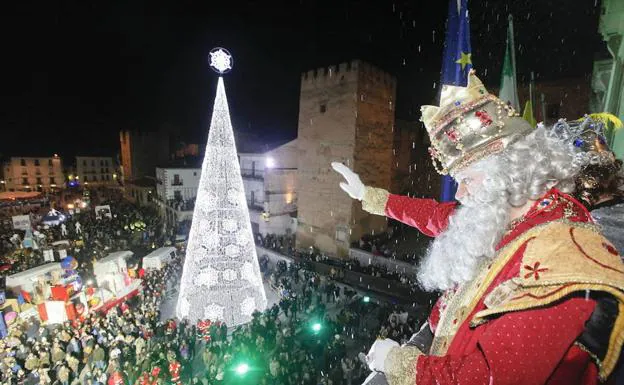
560,258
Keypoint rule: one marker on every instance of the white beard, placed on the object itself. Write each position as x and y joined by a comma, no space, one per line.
473,232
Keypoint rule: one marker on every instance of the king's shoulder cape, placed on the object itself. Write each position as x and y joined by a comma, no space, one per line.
560,258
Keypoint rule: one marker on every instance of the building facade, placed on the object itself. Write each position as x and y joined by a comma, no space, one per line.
34,174
346,114
608,74
177,183
141,191
96,170
141,152
269,180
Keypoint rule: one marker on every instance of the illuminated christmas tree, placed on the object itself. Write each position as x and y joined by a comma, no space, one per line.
221,278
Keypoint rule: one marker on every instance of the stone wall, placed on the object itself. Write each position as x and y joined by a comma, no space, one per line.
327,116
346,114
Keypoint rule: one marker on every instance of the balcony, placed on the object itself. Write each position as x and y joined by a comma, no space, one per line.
177,183
250,173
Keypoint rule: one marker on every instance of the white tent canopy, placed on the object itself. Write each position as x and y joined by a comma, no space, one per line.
27,278
111,272
112,263
158,258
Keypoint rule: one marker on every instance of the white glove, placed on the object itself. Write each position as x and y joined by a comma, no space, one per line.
378,353
354,186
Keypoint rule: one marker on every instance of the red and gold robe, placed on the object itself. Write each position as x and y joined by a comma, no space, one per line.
518,321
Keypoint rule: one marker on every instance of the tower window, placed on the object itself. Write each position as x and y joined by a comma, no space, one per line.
323,108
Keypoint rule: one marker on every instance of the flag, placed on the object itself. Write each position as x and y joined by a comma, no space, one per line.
456,65
509,88
528,114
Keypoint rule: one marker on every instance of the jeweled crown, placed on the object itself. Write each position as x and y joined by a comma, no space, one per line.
469,125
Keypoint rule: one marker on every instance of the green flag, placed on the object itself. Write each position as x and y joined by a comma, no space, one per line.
528,114
508,89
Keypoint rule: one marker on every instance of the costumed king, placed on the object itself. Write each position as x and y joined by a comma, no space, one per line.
532,292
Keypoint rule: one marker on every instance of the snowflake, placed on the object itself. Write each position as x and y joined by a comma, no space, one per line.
234,196
208,277
241,239
230,275
231,250
213,312
230,225
220,60
248,306
248,274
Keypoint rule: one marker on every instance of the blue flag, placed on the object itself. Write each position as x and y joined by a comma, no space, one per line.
456,65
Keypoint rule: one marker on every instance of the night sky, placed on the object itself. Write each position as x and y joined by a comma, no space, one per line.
76,72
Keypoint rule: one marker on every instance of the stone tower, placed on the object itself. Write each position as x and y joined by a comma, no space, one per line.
346,114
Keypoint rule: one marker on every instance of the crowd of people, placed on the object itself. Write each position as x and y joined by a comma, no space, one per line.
285,245
124,346
89,236
181,204
132,344
135,343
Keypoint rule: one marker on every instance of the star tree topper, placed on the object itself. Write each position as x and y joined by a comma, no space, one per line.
221,60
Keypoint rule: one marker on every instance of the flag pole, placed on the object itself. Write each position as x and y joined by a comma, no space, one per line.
513,53
543,100
531,85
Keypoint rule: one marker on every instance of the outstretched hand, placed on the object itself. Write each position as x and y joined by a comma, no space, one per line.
354,186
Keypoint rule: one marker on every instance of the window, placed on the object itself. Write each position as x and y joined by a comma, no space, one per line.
23,162
341,234
52,180
38,172
24,181
92,163
86,178
24,171
101,163
50,162
323,108
176,180
194,173
95,178
106,163
37,162
101,171
84,163
39,180
177,195
252,199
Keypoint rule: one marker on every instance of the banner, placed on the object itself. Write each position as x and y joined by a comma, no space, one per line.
103,211
21,222
48,255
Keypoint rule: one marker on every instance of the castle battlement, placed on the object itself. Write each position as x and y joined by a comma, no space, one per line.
334,74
